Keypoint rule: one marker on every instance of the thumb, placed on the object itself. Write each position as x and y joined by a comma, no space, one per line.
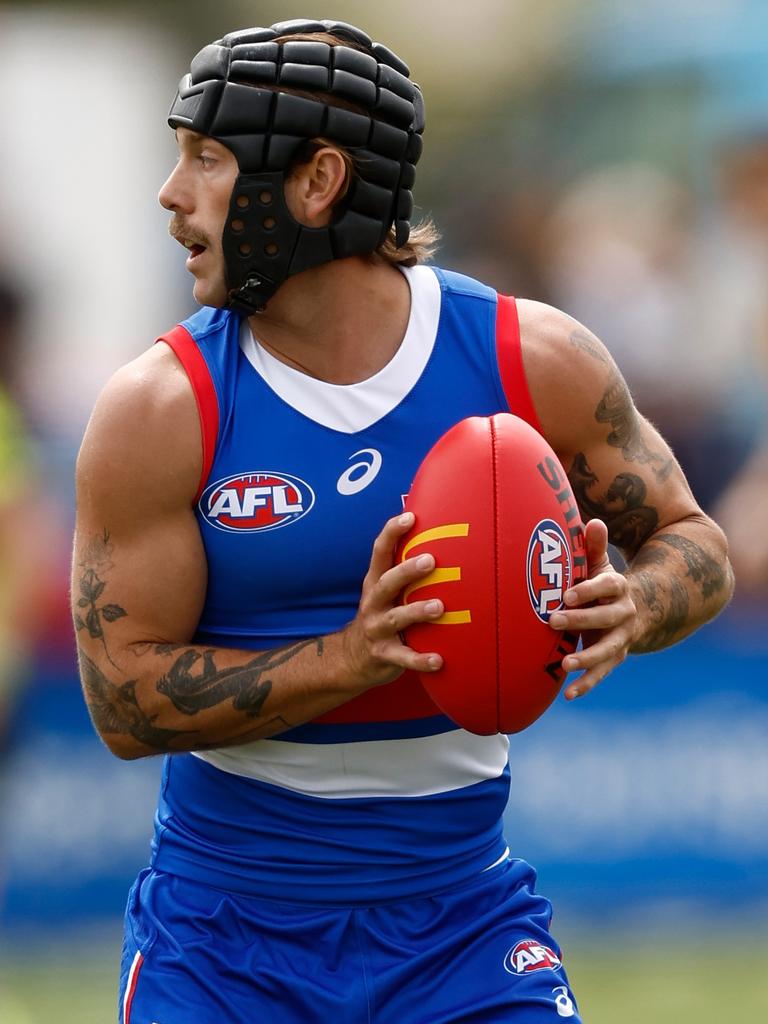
596,544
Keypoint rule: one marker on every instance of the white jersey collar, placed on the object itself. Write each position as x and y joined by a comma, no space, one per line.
353,407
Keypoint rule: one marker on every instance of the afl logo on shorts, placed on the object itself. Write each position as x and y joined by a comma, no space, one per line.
254,502
529,956
548,568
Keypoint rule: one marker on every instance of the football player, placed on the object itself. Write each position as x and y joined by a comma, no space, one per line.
328,846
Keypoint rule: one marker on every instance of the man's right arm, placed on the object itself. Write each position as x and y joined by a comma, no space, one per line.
138,586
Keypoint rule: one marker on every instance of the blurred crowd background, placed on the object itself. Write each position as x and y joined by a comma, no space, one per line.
608,158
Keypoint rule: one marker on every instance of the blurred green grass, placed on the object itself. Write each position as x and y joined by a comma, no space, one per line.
702,980
707,980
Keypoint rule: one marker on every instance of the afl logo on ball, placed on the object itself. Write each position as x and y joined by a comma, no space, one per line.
548,568
529,956
254,502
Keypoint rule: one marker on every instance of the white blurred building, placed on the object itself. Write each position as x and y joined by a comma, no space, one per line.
83,99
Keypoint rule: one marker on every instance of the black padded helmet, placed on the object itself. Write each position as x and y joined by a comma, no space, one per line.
233,93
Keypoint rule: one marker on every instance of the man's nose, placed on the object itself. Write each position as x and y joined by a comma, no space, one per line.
174,194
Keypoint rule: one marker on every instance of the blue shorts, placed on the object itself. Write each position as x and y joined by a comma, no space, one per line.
477,954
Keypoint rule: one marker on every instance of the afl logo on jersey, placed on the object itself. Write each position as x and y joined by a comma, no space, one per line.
254,502
548,568
529,956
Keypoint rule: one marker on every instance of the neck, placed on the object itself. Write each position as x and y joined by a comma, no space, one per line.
341,322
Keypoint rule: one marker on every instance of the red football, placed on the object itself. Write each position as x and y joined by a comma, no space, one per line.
493,505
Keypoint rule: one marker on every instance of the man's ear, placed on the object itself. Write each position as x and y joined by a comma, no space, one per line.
314,188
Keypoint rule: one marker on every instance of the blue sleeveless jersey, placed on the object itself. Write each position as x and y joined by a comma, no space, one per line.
385,797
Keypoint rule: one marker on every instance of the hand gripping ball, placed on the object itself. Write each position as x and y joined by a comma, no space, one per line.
493,505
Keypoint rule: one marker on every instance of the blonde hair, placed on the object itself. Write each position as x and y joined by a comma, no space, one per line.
421,246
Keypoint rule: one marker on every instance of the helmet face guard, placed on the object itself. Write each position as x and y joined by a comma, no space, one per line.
233,94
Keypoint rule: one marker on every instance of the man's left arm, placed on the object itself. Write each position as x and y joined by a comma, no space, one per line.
632,493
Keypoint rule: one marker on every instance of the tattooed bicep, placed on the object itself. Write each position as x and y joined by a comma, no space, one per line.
93,610
617,410
621,502
620,468
626,475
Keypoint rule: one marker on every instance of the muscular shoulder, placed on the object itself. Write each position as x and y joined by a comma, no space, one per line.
569,372
143,439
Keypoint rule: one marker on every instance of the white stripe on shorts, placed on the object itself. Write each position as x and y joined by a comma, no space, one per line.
129,986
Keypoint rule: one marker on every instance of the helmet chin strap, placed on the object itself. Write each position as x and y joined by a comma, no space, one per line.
264,244
252,296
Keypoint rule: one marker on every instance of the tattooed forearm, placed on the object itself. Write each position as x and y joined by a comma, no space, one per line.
617,408
679,586
703,570
115,709
669,612
151,695
264,729
649,590
621,506
671,619
244,684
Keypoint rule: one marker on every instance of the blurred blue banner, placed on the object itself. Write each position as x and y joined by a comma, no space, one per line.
76,821
652,791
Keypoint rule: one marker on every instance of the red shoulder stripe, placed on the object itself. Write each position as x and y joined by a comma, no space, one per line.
510,360
191,358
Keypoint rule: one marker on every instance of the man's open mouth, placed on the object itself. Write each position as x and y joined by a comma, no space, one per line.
194,248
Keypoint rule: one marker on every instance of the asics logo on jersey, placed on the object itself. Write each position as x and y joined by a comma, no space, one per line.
257,501
362,473
549,568
529,956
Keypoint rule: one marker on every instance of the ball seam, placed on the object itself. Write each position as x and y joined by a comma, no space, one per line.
497,581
